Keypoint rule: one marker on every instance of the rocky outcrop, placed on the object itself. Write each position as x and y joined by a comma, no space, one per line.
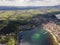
53,28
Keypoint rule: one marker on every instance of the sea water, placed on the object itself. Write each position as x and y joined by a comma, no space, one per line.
35,36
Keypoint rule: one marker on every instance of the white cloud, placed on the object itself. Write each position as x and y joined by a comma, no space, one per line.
29,2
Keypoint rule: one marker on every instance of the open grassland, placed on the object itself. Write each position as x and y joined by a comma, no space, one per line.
19,14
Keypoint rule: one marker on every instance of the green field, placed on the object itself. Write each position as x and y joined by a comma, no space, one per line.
18,14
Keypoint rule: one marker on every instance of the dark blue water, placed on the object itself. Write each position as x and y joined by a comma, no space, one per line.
28,7
36,36
17,8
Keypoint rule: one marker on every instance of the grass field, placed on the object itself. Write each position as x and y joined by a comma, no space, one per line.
18,14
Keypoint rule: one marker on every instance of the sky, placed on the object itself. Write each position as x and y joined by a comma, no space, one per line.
29,2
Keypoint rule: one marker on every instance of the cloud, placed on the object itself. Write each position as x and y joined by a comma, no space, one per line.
29,2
